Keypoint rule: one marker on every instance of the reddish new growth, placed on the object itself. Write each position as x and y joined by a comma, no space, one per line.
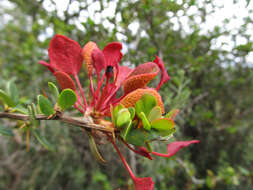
106,79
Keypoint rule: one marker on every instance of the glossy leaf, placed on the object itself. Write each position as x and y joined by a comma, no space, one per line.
123,117
155,113
66,99
164,126
145,122
45,105
114,112
53,89
132,112
145,104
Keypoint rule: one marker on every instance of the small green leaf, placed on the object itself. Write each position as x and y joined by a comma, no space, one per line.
155,113
132,112
45,105
13,92
137,137
53,89
6,132
139,107
145,122
42,140
66,99
123,117
6,99
145,104
114,112
164,126
149,102
124,133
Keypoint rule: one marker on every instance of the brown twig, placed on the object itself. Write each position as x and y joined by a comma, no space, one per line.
83,122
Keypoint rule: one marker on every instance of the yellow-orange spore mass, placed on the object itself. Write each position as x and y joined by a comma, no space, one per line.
138,81
87,55
140,77
131,99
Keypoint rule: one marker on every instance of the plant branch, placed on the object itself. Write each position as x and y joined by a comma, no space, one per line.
83,122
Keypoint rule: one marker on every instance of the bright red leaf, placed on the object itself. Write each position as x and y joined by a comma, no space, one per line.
112,53
64,80
174,147
145,183
164,75
65,54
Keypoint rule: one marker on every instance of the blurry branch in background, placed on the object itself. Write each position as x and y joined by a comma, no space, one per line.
193,178
83,122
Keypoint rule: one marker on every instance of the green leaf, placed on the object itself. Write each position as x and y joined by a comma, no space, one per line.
124,133
66,99
45,105
145,122
123,117
132,112
6,132
114,112
145,104
137,137
155,113
6,99
164,126
13,92
53,89
42,140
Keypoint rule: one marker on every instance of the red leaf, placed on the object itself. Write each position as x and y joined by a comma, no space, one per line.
98,60
50,68
64,80
145,183
140,77
174,147
65,54
122,75
164,75
112,53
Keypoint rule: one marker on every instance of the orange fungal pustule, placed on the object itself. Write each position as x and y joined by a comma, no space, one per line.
140,77
87,56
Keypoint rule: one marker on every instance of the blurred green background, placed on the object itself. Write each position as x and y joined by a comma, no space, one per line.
208,54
